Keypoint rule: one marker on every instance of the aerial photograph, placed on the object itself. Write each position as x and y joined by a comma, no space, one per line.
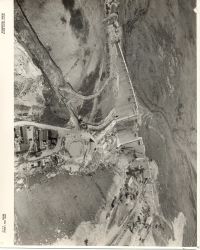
105,134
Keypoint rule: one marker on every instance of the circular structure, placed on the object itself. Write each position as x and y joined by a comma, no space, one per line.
76,149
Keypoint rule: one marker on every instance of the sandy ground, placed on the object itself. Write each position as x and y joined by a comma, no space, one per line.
73,38
178,226
55,208
96,233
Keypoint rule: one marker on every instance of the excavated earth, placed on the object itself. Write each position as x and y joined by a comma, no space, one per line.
159,47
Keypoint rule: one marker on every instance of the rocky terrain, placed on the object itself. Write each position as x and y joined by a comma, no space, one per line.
159,46
160,49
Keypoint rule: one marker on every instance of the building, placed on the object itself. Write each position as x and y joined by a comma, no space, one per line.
16,146
52,137
43,138
30,133
21,143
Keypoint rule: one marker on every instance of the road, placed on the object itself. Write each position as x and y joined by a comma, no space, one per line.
110,117
86,97
127,72
40,125
63,132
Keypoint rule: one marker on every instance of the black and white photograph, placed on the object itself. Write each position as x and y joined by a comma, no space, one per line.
105,123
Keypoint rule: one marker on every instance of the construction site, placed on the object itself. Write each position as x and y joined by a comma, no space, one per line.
130,214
